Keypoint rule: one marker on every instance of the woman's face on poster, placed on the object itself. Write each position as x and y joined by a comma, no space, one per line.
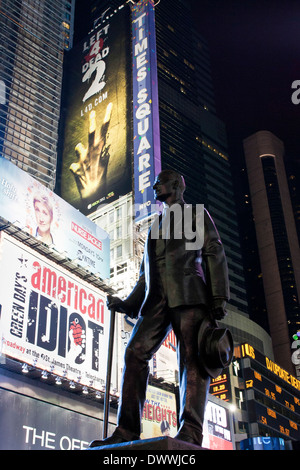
43,217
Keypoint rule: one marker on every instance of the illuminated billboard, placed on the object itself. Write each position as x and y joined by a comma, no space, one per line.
246,349
164,362
217,434
112,83
279,406
96,156
220,386
51,319
38,211
146,138
263,443
159,414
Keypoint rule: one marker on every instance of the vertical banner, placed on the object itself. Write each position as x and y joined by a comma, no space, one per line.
146,139
96,163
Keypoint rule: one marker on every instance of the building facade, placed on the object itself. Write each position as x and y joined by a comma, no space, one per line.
34,35
276,238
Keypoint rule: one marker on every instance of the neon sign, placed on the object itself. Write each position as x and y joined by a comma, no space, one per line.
146,141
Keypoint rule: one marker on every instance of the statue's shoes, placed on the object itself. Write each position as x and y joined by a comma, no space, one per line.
115,438
189,438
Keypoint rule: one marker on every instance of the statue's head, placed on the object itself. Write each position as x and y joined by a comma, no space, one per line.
168,186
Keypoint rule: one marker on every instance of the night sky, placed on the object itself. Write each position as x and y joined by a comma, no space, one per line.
255,58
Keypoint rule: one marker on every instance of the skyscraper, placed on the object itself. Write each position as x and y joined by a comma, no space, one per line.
33,37
193,138
276,238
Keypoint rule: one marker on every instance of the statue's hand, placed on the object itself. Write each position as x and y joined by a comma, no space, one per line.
218,310
117,304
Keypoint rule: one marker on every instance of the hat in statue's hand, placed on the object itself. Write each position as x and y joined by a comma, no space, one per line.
215,348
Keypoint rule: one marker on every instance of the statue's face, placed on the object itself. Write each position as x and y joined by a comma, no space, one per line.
163,187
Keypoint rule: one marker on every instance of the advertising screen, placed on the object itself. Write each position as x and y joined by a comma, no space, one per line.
273,419
216,430
272,390
96,156
38,211
220,386
51,319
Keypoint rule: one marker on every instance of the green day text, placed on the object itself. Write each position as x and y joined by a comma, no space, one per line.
55,303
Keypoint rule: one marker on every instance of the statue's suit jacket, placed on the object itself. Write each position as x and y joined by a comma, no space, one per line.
192,276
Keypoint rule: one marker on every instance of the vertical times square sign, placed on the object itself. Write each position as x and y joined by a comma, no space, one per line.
146,140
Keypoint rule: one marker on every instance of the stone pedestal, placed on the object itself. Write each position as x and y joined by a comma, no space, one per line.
155,444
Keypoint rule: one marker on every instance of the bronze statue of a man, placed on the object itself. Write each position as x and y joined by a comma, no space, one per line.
173,291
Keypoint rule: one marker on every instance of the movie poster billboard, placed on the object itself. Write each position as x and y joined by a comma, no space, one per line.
146,138
96,163
38,211
51,319
160,414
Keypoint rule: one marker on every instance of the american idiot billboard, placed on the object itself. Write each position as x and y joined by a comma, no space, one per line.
111,123
50,318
